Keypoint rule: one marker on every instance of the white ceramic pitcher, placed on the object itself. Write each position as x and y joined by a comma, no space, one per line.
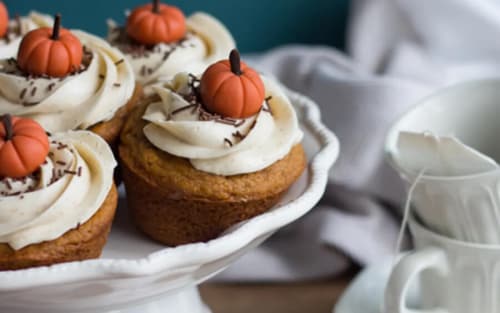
454,276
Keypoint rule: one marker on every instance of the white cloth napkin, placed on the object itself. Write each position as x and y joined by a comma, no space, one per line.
400,51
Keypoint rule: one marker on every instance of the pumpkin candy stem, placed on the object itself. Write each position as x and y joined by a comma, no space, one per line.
156,6
235,61
57,27
7,122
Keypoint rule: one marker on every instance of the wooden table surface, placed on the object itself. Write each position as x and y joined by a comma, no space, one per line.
311,297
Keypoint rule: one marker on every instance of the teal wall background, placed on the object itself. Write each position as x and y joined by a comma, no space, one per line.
256,24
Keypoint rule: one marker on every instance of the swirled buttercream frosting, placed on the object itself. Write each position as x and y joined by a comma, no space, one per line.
65,192
179,124
92,94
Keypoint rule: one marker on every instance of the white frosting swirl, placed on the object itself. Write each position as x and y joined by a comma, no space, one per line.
219,148
19,27
79,100
207,41
68,190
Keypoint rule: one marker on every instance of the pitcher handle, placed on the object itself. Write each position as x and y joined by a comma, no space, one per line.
407,269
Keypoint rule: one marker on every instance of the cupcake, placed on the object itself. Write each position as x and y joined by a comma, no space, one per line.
13,30
201,155
160,42
57,197
68,80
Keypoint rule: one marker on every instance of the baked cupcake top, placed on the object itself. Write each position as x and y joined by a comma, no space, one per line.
225,123
49,184
17,27
161,42
83,85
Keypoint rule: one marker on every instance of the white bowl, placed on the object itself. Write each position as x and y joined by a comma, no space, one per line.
135,270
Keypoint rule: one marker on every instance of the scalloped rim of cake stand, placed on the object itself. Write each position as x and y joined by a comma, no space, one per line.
198,253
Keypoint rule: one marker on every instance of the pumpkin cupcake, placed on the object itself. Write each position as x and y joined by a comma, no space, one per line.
13,30
57,197
68,80
160,42
204,154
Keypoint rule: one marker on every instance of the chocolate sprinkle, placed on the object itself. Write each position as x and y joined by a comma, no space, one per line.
29,104
194,79
119,62
238,124
179,110
61,146
228,142
23,93
224,121
7,183
267,107
54,176
167,54
117,84
253,124
239,135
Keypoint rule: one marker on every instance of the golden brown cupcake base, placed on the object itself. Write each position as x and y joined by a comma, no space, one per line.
81,243
175,204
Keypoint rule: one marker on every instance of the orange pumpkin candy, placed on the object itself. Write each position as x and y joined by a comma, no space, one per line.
4,19
24,145
155,23
232,89
55,52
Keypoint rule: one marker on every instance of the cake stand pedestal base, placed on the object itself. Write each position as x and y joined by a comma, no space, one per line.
187,300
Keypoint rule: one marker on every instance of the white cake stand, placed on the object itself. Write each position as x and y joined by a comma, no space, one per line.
136,275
